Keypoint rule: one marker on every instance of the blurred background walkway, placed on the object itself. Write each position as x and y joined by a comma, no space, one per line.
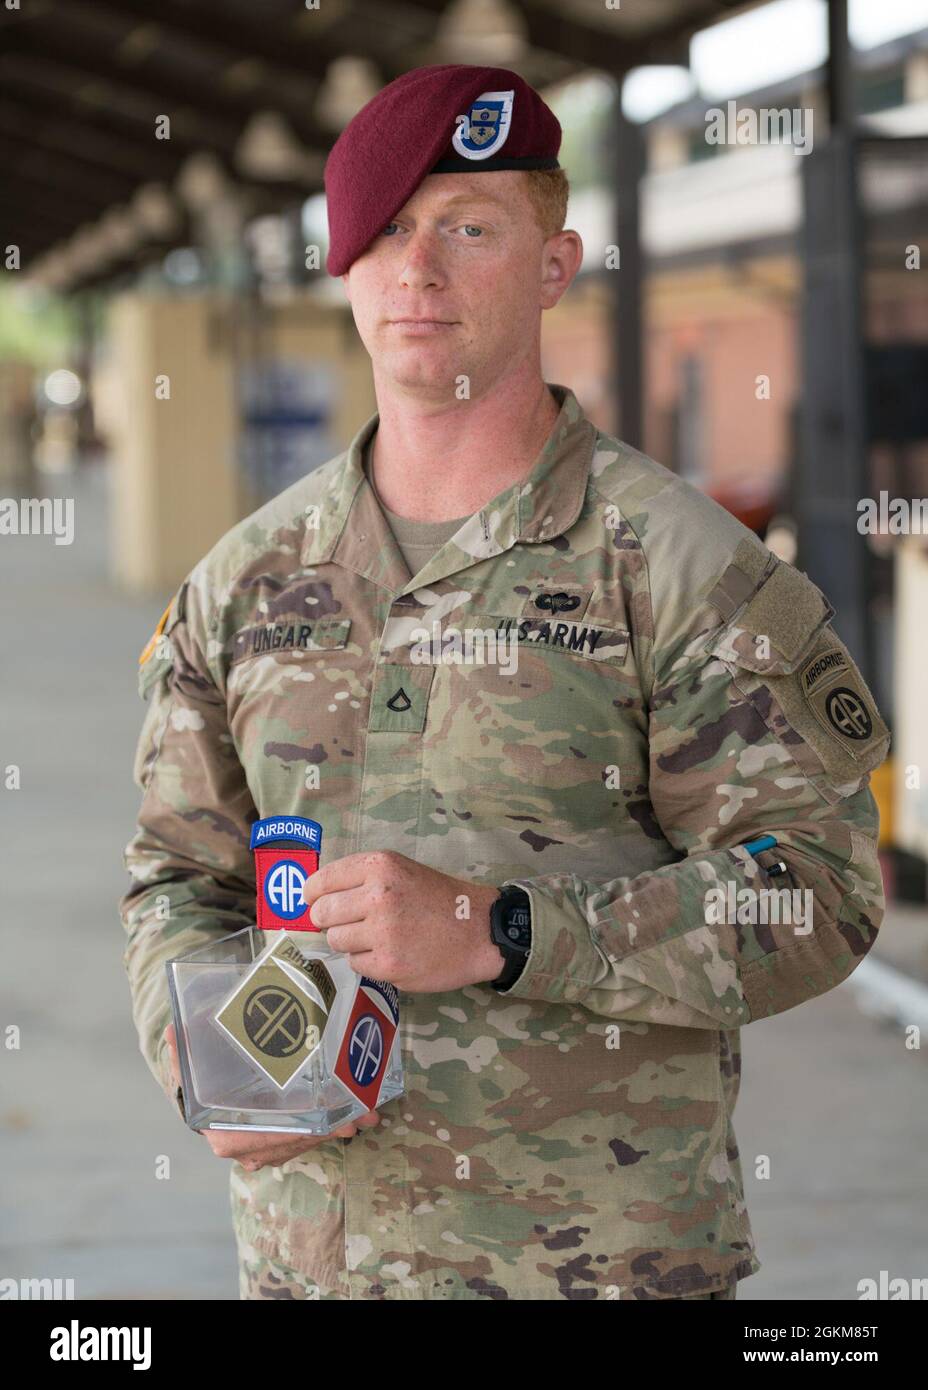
82,1122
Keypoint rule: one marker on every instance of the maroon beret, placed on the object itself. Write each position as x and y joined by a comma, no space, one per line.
448,119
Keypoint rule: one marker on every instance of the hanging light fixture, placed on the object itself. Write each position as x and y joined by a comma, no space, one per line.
202,181
268,149
155,212
117,232
349,84
481,31
88,250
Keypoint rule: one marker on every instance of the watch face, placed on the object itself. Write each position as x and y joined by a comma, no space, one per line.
517,927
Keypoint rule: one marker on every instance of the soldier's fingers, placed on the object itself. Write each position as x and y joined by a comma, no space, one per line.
276,1153
276,1156
354,937
231,1144
336,876
363,963
267,1158
170,1038
339,909
367,1121
253,1155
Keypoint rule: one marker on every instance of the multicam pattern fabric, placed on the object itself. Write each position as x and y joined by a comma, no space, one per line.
570,1138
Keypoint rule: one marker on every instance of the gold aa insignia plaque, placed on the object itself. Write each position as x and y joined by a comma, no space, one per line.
277,1015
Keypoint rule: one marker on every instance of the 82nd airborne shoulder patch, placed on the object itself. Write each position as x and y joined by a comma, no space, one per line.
835,692
286,850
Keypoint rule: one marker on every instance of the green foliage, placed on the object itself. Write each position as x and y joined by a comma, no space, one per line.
34,326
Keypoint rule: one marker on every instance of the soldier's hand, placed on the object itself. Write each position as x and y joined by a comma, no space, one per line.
402,921
258,1149
254,1150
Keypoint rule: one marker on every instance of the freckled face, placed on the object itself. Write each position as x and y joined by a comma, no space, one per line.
461,263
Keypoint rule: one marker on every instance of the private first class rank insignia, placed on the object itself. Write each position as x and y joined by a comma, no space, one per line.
286,850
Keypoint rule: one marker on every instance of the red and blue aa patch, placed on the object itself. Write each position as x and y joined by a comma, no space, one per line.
286,850
367,1040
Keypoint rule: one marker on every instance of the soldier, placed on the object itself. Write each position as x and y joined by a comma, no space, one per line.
591,764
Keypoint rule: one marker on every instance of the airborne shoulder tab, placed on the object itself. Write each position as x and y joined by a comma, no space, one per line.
835,691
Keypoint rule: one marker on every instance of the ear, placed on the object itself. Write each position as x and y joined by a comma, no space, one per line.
345,283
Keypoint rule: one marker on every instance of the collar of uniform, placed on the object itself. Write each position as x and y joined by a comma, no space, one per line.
353,531
548,501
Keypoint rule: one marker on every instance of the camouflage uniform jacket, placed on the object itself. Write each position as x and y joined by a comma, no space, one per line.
679,692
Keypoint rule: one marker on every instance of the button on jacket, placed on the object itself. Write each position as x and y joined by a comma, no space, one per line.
662,691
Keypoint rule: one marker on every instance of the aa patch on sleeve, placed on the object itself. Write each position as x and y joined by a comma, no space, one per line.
842,704
826,702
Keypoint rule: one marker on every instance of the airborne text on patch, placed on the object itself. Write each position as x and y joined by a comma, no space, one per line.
831,661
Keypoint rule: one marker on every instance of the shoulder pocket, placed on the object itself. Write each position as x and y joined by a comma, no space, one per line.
157,657
787,660
777,625
156,667
156,664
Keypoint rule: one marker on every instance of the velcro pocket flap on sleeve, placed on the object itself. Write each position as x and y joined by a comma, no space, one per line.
778,624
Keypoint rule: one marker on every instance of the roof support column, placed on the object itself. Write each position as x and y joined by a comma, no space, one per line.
833,469
627,299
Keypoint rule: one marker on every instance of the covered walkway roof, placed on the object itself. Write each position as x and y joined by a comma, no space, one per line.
263,89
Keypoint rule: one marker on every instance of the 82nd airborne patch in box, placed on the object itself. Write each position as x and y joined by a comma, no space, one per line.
277,1016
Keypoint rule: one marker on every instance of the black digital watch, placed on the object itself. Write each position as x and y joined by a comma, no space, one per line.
511,931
